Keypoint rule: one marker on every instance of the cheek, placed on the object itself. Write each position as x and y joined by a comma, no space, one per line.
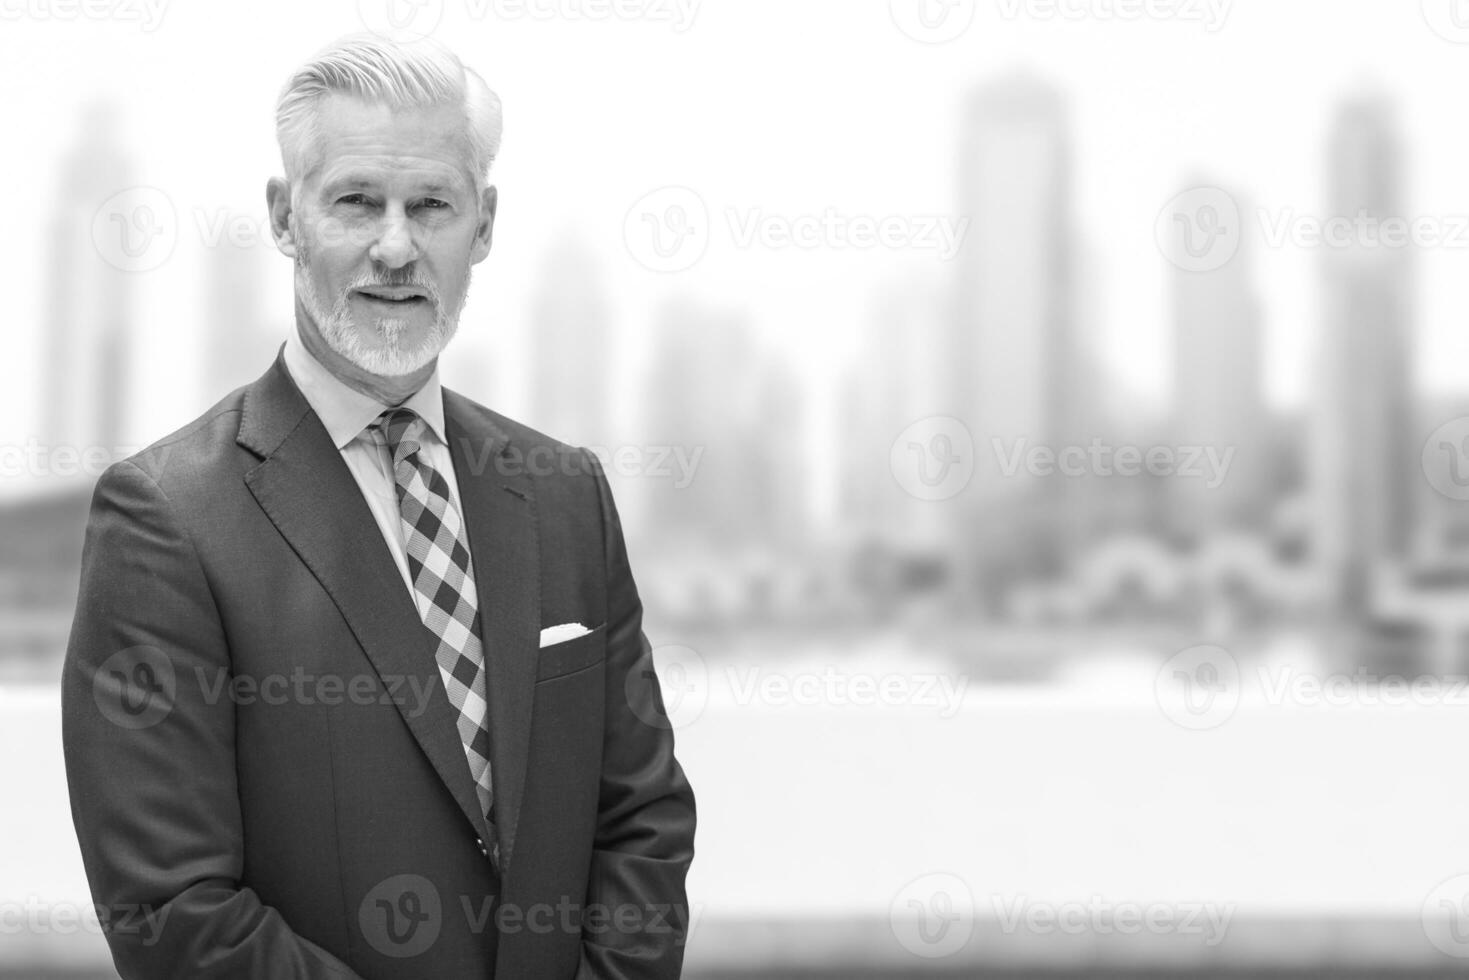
331,269
450,270
453,290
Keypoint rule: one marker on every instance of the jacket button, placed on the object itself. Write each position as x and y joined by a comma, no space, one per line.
479,843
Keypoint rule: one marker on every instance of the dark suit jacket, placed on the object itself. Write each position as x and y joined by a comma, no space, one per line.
265,774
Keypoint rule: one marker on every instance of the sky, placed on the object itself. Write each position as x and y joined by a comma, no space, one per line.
766,111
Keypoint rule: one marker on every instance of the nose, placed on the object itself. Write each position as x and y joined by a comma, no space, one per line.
395,246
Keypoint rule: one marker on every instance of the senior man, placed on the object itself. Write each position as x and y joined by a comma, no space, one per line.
357,684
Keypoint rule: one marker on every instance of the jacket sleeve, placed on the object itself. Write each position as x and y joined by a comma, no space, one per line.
148,732
645,821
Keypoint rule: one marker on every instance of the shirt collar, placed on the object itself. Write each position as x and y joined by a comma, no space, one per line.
346,412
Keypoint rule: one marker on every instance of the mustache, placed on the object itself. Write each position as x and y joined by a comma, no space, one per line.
394,278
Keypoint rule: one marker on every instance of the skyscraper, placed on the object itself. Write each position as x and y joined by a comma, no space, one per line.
717,397
896,380
1366,464
1016,366
89,301
239,344
1218,396
570,322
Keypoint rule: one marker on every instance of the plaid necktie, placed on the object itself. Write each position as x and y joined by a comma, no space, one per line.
439,564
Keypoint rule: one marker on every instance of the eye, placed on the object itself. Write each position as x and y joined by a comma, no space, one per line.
353,199
433,203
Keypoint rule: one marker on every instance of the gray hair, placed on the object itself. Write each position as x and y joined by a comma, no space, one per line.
420,74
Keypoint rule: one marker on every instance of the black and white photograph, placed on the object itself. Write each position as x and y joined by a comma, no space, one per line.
656,489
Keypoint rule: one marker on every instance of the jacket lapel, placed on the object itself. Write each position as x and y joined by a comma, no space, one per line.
306,490
499,513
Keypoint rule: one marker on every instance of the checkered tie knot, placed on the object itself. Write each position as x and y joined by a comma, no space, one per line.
443,576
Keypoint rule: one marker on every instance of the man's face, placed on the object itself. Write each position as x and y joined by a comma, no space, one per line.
387,226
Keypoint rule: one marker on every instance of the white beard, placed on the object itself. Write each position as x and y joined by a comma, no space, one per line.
340,330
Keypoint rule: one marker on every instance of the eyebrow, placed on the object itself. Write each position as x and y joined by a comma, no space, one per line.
339,184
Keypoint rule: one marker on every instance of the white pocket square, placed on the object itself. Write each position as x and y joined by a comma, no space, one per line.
552,635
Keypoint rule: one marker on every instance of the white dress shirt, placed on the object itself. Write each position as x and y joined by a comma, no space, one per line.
346,414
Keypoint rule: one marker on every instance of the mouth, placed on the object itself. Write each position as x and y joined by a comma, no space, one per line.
399,297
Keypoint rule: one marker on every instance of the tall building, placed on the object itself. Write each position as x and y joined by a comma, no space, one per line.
571,322
1017,369
240,342
1366,464
89,309
715,397
1218,396
85,363
895,381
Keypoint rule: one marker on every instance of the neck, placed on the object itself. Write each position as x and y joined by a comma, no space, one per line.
391,391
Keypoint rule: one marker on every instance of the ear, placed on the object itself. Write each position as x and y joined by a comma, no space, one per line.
278,201
484,232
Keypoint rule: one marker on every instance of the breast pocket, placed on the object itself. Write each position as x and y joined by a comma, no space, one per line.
570,656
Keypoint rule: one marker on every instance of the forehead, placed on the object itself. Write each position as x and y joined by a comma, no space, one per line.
361,141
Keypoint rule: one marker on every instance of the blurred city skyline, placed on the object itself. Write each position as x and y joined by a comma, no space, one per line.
1040,362
229,244
734,443
1263,136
